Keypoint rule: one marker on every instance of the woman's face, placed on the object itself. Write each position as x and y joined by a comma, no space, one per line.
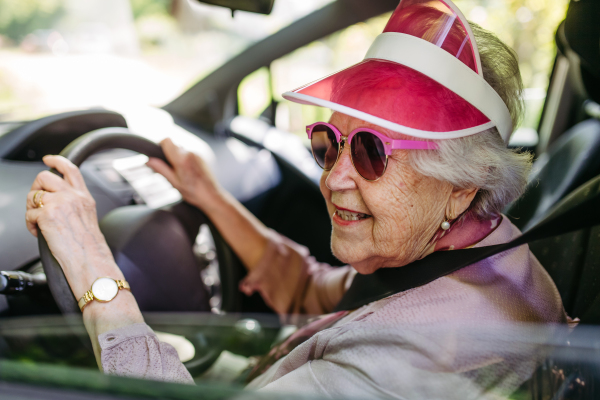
401,211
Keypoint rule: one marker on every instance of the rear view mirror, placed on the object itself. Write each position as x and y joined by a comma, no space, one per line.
255,6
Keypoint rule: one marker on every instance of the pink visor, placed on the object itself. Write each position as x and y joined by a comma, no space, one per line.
421,77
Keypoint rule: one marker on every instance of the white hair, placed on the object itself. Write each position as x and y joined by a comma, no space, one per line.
478,161
482,160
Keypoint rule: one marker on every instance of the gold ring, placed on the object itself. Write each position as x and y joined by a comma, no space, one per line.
37,199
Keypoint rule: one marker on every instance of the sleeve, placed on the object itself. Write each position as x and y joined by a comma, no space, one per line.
292,282
135,351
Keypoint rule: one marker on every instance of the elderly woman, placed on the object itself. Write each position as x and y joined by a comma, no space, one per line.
415,161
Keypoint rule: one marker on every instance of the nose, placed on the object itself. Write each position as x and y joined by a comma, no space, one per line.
343,175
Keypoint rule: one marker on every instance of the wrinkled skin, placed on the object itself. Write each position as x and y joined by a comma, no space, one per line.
406,207
68,222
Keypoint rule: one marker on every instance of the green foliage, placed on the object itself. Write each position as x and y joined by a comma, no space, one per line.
527,26
142,8
20,17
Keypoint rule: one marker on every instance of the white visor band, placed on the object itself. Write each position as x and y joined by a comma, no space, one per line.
427,58
384,123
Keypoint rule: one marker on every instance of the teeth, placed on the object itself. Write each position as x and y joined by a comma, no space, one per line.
350,216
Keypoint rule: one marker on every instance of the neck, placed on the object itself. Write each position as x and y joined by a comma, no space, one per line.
465,231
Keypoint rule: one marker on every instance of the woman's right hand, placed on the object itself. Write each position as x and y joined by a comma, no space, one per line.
189,174
67,218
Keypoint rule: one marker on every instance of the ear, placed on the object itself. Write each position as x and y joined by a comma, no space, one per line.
459,201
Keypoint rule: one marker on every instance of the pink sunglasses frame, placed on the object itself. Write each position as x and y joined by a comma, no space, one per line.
389,144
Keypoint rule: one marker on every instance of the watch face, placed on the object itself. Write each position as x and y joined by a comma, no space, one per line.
105,289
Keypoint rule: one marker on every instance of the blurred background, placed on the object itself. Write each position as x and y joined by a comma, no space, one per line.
59,55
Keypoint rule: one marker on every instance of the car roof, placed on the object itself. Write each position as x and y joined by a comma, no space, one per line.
208,101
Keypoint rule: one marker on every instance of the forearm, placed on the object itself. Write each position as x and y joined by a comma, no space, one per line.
100,317
189,174
247,236
281,271
104,317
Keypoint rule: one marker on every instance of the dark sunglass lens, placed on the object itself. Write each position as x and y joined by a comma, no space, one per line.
324,146
368,155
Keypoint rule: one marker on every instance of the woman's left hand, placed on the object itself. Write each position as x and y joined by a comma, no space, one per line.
67,219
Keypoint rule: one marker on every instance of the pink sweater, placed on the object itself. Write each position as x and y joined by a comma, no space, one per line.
421,343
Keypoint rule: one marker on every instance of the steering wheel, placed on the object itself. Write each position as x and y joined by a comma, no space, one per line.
136,230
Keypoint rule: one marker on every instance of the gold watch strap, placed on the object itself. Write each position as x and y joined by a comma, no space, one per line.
122,284
89,296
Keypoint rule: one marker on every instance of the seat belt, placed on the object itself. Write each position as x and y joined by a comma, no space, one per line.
582,211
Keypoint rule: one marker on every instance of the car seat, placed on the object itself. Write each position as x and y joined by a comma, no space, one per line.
573,261
572,160
574,157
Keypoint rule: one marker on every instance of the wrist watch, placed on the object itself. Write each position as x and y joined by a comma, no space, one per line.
103,290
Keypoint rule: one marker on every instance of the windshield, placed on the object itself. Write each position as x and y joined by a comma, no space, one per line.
58,55
51,352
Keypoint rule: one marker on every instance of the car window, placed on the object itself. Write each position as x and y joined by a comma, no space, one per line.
306,64
59,55
527,26
48,352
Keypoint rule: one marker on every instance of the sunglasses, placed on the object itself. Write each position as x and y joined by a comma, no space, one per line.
369,149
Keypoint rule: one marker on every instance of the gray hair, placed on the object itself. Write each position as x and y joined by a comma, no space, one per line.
482,160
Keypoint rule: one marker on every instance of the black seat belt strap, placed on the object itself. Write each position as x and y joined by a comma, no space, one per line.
583,211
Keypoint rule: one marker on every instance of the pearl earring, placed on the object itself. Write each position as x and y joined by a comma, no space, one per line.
445,225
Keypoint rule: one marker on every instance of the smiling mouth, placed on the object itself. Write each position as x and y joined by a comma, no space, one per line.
351,216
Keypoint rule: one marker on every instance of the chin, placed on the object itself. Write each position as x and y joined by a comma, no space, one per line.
353,254
341,249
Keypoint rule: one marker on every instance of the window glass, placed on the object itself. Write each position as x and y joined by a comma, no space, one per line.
58,55
314,61
527,26
254,93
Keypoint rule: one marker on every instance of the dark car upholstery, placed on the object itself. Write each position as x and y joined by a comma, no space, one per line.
572,259
574,156
570,162
582,36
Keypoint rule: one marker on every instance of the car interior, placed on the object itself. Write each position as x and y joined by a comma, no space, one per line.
274,184
568,157
568,163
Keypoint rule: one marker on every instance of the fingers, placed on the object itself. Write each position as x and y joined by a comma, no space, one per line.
162,168
31,218
49,182
43,198
33,213
70,172
30,196
171,150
